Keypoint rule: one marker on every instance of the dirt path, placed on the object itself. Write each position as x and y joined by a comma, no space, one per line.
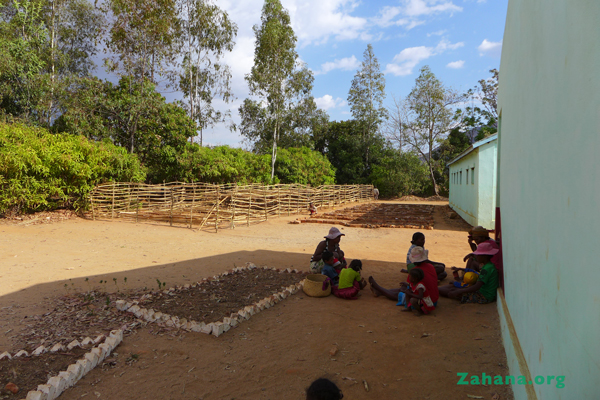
278,352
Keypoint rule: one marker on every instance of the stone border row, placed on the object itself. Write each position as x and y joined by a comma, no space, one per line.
54,349
215,328
56,385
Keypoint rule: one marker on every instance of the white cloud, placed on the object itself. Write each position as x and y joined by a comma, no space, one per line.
407,59
345,64
411,12
437,33
493,49
316,21
327,102
456,64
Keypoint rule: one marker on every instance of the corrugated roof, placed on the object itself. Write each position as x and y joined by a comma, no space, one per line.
473,147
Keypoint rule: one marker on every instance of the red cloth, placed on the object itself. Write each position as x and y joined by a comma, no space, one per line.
430,281
348,293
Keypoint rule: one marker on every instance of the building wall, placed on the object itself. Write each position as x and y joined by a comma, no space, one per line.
549,102
486,176
463,195
475,200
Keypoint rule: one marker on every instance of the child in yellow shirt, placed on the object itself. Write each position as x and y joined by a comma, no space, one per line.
350,281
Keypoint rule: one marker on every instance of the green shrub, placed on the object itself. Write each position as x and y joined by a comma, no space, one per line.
44,171
302,165
400,174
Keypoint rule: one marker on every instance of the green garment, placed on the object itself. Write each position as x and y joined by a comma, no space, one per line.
489,277
347,278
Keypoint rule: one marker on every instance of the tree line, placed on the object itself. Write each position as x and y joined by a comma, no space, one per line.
47,80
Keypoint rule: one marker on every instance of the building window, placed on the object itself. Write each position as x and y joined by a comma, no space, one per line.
467,177
473,176
461,177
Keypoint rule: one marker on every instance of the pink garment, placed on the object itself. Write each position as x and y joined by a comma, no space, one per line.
496,258
348,293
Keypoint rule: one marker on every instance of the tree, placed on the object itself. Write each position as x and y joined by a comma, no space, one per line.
483,120
428,117
143,38
23,44
366,96
132,115
272,77
299,121
208,33
73,29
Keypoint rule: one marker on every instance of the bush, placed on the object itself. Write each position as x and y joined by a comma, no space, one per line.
224,164
400,174
44,171
302,165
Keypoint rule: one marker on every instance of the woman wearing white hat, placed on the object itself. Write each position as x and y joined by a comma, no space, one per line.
331,243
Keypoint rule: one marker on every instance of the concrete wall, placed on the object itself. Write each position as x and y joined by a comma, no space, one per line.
475,200
463,195
486,201
549,193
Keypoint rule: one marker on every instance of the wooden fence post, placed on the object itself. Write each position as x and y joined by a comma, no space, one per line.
250,204
137,203
192,208
265,196
112,213
218,201
233,205
171,210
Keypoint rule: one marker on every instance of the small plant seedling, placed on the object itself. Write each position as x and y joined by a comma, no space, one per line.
87,281
107,301
159,283
125,281
116,284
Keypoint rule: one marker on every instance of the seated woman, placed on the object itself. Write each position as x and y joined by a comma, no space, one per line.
484,290
332,244
477,236
418,256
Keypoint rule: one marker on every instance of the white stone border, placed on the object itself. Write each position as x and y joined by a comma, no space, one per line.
219,327
66,379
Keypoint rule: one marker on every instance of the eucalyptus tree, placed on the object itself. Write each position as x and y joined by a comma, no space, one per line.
428,116
207,34
74,27
142,37
366,97
274,78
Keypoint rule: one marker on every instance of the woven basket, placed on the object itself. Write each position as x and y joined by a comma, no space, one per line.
313,286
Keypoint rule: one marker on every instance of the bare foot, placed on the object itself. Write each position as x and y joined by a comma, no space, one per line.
375,291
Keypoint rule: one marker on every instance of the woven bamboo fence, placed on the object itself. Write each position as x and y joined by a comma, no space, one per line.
208,206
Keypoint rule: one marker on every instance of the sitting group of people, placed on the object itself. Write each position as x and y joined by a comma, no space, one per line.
476,283
329,260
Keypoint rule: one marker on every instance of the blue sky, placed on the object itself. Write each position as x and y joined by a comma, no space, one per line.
460,40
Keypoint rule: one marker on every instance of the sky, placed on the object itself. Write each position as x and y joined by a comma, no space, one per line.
460,40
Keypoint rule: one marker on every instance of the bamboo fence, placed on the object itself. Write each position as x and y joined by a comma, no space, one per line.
209,206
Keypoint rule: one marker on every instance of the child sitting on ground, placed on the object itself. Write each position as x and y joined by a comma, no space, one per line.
469,277
417,297
350,281
328,267
484,290
418,240
312,209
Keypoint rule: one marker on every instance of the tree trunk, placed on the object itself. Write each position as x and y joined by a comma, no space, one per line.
274,156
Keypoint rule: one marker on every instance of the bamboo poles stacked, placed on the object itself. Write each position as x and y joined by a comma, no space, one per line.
205,205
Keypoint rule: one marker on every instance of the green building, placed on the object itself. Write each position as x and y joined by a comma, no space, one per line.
473,183
549,197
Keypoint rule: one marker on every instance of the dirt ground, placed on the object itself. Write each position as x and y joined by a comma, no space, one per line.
278,352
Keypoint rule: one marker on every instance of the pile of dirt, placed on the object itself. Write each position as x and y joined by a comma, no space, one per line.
436,198
411,198
44,217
